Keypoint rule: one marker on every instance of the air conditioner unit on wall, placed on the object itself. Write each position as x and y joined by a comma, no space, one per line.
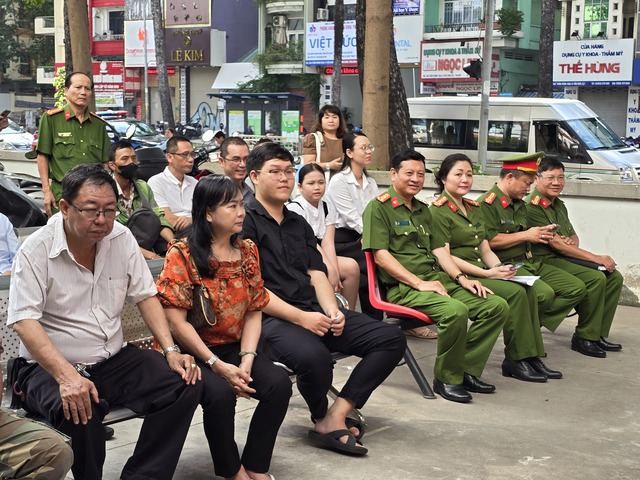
322,14
279,20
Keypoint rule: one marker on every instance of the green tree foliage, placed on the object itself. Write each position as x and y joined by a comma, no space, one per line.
16,24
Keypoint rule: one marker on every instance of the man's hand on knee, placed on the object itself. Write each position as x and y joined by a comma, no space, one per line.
77,394
316,322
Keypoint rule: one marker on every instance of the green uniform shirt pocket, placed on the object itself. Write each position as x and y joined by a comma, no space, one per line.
64,147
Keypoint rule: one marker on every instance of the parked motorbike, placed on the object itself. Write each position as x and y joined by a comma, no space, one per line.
202,153
20,208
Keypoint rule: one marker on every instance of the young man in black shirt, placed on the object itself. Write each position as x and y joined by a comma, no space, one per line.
302,323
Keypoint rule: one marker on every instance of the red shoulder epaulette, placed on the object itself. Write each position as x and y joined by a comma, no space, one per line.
96,116
53,111
473,203
439,202
383,197
490,198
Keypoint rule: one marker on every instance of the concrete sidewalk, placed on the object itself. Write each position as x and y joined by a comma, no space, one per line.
585,426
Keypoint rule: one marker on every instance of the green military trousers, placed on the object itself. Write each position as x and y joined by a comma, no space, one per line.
598,307
459,351
557,292
522,335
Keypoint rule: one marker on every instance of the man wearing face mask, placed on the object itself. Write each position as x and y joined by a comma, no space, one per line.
137,209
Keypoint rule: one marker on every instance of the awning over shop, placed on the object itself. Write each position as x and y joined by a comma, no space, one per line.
232,74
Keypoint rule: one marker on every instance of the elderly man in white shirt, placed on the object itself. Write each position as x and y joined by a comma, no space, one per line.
173,187
70,280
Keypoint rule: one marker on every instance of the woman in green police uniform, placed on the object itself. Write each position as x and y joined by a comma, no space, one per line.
458,223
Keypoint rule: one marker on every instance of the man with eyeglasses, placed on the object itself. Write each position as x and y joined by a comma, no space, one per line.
173,187
70,282
234,152
511,238
302,323
598,272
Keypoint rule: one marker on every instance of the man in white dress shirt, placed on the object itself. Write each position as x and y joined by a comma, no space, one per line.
173,188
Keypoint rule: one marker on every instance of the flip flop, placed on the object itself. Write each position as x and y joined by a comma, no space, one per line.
424,333
332,441
351,423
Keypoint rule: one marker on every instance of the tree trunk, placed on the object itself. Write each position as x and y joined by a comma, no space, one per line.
68,56
78,15
545,53
361,29
375,99
161,64
336,84
400,135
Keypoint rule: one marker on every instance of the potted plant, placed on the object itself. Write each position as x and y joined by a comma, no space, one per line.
509,20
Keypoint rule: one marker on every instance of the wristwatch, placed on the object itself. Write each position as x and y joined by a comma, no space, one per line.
211,361
172,348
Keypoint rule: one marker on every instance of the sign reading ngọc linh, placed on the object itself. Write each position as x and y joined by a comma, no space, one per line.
444,61
600,62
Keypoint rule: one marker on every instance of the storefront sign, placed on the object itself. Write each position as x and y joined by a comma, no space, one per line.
444,61
593,62
407,35
108,76
188,46
319,43
633,112
136,32
406,7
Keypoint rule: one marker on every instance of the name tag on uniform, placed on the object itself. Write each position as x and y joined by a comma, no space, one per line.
507,222
403,223
64,134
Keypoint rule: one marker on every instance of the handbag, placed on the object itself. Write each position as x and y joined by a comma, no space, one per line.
144,223
201,313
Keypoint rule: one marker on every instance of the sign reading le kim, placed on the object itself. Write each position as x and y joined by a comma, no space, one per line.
593,62
188,46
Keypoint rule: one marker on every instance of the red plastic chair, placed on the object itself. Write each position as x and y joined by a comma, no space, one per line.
377,297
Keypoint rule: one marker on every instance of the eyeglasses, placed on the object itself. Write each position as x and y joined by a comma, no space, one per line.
553,178
184,154
277,174
366,148
235,159
93,214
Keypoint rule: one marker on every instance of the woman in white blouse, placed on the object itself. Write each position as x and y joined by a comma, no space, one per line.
343,272
350,190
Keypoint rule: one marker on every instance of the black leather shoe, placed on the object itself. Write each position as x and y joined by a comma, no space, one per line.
607,346
474,384
522,371
587,347
454,393
108,432
538,365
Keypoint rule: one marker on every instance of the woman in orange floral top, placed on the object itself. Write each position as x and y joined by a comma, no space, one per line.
226,348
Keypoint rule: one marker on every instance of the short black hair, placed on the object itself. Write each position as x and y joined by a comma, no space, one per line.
307,169
86,174
219,134
550,163
118,145
224,146
406,155
516,173
69,78
266,152
172,143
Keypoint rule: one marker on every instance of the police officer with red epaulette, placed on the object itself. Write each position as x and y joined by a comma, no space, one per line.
69,136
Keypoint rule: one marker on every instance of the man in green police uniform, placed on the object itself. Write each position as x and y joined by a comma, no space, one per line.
598,272
511,238
397,229
68,137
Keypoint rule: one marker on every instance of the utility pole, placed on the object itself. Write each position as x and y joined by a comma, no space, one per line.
487,48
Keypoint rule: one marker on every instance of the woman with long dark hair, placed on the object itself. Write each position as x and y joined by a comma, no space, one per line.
326,133
458,224
226,346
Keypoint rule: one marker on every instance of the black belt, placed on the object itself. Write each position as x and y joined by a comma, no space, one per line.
519,258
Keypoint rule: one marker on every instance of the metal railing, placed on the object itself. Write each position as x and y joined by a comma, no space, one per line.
451,27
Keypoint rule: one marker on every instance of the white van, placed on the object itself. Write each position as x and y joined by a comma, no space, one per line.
566,129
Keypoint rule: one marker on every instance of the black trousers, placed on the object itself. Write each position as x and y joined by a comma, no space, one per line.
352,248
140,380
381,346
273,390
